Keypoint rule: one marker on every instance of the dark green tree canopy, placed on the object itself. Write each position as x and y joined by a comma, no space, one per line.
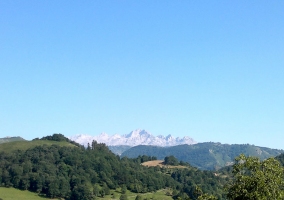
139,197
171,160
123,197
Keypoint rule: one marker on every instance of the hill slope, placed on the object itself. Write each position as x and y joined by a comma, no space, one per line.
24,145
207,156
12,194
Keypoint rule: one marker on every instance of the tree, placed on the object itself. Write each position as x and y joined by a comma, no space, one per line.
123,189
139,197
81,192
96,190
106,189
207,197
102,193
255,179
123,197
171,160
197,191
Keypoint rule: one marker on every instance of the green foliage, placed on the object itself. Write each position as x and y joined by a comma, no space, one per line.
81,192
196,182
207,197
96,190
171,160
139,197
106,189
56,137
123,189
255,179
123,197
140,159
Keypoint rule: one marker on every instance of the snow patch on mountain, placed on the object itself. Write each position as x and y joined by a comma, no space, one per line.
134,138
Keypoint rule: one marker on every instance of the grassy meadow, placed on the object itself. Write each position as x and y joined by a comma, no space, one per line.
24,145
12,194
160,163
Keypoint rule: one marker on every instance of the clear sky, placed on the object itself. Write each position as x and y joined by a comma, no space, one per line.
211,70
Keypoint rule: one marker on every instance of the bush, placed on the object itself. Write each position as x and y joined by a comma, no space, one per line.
123,197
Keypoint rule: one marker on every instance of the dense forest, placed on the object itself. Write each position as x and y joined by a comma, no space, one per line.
76,172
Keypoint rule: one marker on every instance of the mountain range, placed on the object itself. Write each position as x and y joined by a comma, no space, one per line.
134,138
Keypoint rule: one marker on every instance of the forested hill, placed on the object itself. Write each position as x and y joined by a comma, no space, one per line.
207,156
74,172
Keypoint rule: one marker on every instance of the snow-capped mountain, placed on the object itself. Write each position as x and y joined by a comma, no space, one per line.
134,138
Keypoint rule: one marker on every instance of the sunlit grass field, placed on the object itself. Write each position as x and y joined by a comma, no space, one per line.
24,145
15,194
160,163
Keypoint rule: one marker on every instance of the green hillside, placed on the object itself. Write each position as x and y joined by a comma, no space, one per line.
24,145
207,156
13,193
10,139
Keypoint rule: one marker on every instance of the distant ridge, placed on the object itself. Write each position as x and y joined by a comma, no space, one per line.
206,156
134,138
11,139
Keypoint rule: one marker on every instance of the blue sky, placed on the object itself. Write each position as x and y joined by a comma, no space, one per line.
212,70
